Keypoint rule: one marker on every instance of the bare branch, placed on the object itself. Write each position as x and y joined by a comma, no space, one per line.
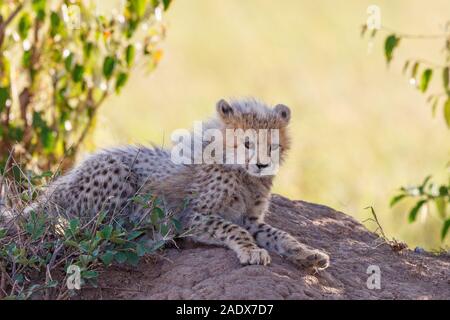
13,15
415,36
4,24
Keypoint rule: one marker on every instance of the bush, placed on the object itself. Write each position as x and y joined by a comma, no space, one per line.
59,61
39,252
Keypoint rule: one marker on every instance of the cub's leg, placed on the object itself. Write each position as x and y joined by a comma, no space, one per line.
286,245
213,229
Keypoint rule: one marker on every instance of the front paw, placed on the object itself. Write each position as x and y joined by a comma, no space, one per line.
254,256
311,259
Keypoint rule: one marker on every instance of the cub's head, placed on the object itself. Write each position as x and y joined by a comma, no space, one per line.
255,134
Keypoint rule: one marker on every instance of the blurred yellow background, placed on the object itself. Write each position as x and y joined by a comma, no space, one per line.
360,129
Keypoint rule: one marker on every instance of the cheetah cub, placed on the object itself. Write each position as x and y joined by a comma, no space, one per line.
227,201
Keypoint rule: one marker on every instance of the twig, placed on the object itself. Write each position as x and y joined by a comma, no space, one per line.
114,288
13,15
3,281
49,268
4,24
377,222
55,253
430,63
415,36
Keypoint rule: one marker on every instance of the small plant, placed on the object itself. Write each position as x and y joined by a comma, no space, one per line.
421,72
396,246
425,194
38,252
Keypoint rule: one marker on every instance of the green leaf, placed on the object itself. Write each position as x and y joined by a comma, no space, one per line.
396,199
405,66
117,240
445,77
36,226
157,214
132,26
138,7
132,258
101,217
415,210
54,20
24,25
77,73
108,66
68,62
447,112
85,246
37,121
441,204
19,278
74,224
89,274
133,235
46,174
164,230
71,243
425,80
4,95
140,250
55,23
107,258
87,49
414,70
48,139
129,55
445,229
434,106
121,81
39,8
177,224
160,212
106,232
154,218
166,4
120,257
390,44
157,245
26,59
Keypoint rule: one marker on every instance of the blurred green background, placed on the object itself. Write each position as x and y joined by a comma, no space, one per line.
360,129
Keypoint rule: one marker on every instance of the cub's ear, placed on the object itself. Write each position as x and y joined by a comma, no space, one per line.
224,109
283,112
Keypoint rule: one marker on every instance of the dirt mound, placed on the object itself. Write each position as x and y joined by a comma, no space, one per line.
206,272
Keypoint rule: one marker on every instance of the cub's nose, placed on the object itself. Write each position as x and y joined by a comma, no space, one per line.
262,166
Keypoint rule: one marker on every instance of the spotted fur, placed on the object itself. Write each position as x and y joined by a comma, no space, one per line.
227,202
